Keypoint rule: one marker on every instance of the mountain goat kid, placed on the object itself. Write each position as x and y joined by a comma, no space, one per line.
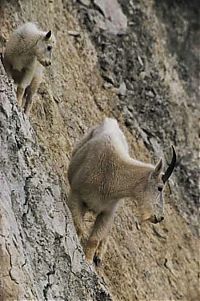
101,172
27,52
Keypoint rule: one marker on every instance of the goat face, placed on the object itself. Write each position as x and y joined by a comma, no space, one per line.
156,187
151,201
43,50
153,210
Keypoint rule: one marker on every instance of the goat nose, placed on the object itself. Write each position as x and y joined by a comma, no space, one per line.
160,219
157,220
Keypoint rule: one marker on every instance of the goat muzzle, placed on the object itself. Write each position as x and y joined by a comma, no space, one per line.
170,168
156,220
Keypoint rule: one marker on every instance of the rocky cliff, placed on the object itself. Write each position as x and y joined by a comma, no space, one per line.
138,62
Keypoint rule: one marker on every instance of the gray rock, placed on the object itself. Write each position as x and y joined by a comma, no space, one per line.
41,258
115,20
122,89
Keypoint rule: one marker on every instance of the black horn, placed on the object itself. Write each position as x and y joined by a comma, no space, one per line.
170,169
48,35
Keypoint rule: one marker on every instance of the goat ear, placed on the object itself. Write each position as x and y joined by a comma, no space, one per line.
48,35
158,168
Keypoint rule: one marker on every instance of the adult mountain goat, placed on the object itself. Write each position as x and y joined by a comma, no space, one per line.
101,172
27,52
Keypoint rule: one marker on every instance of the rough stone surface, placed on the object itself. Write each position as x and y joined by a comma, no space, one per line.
157,60
115,21
41,258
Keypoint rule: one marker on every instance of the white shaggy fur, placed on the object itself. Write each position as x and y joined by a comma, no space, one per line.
27,52
101,172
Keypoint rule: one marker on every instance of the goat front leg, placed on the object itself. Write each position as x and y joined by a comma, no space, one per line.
32,89
100,251
101,227
24,83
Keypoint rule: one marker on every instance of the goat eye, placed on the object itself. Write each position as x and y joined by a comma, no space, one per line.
160,188
49,48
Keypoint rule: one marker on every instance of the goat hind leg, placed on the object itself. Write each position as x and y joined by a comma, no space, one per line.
7,67
78,210
25,96
28,103
20,94
100,251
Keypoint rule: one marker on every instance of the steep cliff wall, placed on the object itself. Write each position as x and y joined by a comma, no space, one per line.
41,258
123,60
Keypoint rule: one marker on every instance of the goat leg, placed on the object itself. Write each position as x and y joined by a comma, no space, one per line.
100,229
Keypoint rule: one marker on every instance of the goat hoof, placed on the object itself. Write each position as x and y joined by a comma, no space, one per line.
97,261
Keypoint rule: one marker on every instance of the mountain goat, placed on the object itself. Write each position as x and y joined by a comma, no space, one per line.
101,172
27,52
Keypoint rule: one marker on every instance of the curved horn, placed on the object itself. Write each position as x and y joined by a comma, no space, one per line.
170,169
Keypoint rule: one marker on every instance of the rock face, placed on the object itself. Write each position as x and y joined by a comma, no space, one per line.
132,60
41,258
